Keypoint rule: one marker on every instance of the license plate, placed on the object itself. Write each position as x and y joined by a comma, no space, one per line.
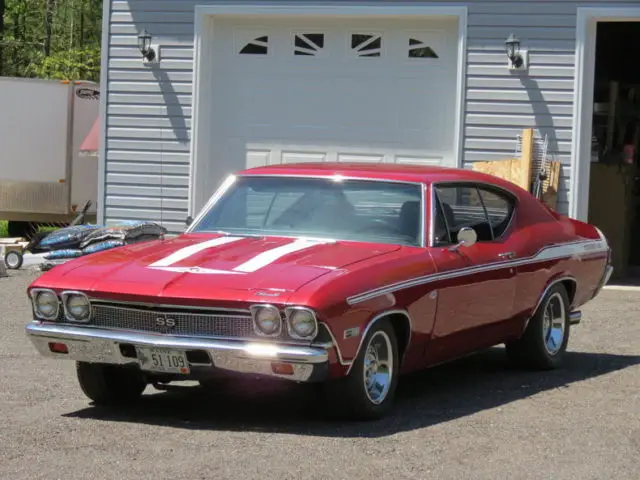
163,360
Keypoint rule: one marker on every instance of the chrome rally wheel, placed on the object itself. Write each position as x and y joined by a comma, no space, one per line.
553,324
367,392
378,367
544,341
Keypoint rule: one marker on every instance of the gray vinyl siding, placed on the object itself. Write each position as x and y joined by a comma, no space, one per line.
149,109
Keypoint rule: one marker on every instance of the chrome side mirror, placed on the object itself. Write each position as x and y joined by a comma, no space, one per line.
467,237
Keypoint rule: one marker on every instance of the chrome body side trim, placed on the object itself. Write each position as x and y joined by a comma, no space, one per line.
103,346
545,254
372,322
336,345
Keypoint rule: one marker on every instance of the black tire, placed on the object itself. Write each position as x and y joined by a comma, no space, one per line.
531,351
110,385
13,260
348,397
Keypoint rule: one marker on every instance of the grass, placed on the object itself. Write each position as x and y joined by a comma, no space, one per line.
4,228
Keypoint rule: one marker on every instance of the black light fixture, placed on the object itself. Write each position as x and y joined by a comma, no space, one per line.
512,46
144,45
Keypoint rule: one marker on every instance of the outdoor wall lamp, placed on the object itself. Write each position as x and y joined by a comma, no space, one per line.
518,60
150,52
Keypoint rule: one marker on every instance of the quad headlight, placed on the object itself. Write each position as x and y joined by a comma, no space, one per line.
77,307
46,305
301,322
266,320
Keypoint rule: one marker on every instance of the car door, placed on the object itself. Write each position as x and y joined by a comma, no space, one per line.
475,284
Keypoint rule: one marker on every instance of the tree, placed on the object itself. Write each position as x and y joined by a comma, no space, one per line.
1,31
51,38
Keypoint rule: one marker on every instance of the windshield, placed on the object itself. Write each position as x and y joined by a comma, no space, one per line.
358,210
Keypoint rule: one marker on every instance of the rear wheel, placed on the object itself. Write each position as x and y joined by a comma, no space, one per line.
545,339
110,385
368,391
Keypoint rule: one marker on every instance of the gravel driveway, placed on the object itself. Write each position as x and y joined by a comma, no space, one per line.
474,419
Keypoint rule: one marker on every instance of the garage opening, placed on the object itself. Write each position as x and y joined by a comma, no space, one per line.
614,190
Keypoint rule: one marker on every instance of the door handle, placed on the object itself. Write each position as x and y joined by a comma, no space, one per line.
507,255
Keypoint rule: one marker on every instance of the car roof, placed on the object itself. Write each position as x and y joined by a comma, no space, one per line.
382,171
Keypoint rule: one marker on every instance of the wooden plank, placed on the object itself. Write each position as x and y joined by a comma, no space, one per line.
509,169
527,159
551,185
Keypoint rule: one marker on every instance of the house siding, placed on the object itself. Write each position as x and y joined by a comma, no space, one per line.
148,109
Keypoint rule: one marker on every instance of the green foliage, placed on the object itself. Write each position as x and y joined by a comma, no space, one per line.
57,39
75,64
4,229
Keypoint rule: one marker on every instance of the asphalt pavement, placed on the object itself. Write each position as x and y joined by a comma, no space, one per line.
473,419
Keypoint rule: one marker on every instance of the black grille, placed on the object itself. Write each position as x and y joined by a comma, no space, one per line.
173,322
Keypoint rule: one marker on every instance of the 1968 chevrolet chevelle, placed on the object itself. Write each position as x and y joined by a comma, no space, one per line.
344,274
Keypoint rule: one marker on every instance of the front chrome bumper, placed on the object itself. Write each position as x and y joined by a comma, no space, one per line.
94,345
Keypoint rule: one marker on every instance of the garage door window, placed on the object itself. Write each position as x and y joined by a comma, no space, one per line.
308,44
366,45
258,46
418,49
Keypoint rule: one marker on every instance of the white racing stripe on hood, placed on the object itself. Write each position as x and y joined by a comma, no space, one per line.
186,252
270,256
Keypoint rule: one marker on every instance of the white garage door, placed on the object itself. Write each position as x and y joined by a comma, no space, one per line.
289,90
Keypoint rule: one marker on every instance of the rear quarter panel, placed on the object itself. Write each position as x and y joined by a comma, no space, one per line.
557,249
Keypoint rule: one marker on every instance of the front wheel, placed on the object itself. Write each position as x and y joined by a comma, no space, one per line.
110,385
545,339
368,391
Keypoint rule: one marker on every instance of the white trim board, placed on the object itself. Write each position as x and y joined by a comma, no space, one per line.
102,113
586,23
203,67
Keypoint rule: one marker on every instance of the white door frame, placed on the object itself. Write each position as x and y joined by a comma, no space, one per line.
587,21
201,147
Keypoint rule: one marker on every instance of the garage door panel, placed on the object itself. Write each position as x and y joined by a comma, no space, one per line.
271,105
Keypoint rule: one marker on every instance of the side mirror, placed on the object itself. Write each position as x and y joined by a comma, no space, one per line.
189,220
467,237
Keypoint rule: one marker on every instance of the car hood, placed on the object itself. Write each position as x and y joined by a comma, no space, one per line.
210,266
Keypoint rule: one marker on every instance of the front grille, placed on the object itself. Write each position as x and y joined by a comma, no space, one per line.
183,323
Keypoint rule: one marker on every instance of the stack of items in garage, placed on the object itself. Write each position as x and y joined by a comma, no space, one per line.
79,240
530,168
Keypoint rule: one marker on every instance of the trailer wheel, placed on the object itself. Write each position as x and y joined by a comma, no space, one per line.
13,260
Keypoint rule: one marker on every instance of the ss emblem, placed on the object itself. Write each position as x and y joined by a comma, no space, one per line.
165,322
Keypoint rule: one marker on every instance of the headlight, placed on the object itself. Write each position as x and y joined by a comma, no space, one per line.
302,323
77,307
45,304
266,320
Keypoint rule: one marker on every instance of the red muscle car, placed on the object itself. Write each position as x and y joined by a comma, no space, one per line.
348,275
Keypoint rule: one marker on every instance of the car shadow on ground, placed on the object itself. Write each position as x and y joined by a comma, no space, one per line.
480,382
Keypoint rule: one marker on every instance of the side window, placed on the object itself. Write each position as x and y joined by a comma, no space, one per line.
462,207
440,231
499,210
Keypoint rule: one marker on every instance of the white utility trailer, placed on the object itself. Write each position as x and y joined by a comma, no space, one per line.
44,178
